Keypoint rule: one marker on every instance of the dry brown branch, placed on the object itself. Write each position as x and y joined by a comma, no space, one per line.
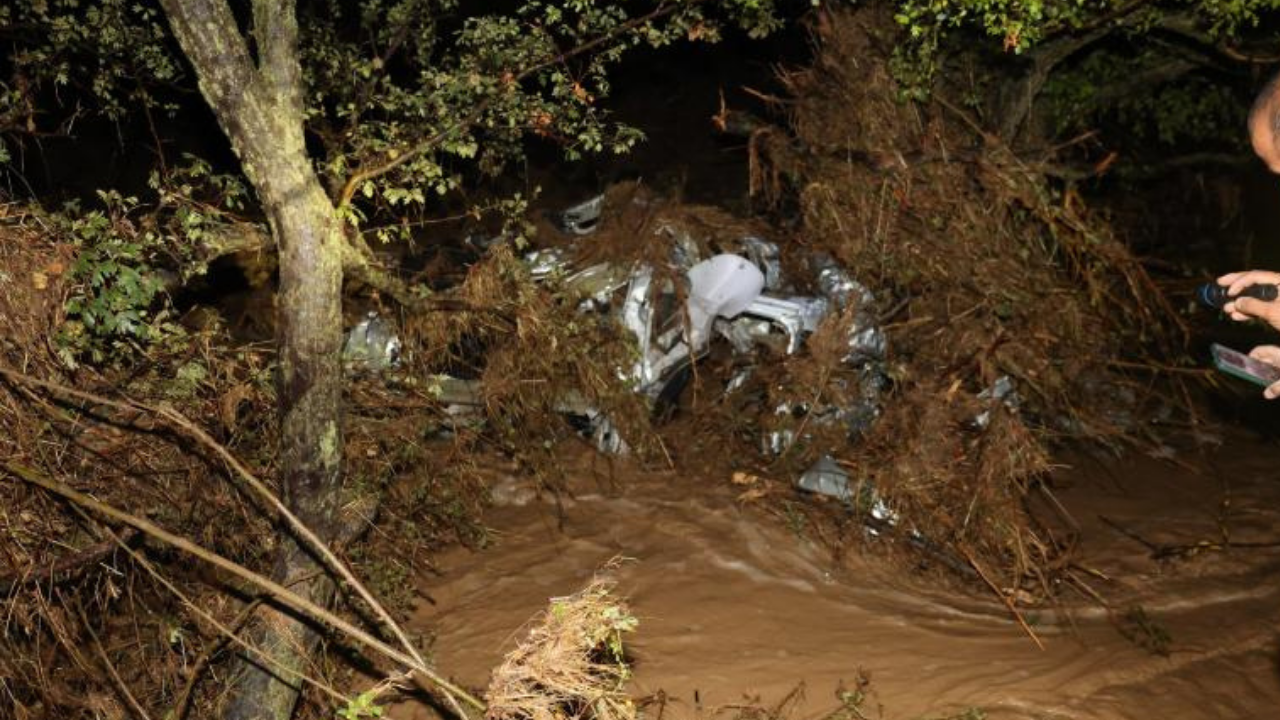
213,622
1004,597
120,685
64,570
280,593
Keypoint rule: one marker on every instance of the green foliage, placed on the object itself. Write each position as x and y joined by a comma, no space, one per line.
408,101
111,309
362,706
424,112
68,56
194,184
192,203
187,380
615,622
1227,18
116,308
1151,72
914,64
1021,24
1195,110
1183,113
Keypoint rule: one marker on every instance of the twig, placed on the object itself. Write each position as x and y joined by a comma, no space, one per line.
58,629
967,120
1164,551
111,668
1017,614
1189,548
179,711
1158,368
1247,57
1132,535
658,698
893,311
279,592
64,570
817,395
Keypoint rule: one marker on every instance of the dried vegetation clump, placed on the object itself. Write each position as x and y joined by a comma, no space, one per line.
572,664
538,360
32,291
535,356
994,277
81,609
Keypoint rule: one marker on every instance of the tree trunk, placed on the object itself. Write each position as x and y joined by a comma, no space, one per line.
309,336
257,99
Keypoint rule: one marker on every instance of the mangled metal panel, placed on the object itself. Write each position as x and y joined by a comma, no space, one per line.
583,218
372,345
828,477
1001,392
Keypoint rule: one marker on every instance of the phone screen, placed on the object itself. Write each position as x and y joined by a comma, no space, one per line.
1243,366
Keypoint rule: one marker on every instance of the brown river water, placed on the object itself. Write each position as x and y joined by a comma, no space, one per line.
736,609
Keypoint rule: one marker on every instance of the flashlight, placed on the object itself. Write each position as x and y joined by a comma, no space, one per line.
1215,295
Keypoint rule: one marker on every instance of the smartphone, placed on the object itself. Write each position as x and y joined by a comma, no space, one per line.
1242,366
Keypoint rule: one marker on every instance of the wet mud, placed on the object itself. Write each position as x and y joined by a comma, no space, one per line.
737,608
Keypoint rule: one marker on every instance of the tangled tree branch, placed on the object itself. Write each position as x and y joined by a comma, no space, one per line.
183,424
277,591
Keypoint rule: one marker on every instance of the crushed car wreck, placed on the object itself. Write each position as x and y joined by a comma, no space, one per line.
741,298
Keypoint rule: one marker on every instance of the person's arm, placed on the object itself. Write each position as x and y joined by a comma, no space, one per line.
1264,134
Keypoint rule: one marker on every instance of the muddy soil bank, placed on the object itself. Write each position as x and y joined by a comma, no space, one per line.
738,608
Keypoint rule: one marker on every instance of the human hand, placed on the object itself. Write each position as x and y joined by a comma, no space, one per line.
1245,308
1269,354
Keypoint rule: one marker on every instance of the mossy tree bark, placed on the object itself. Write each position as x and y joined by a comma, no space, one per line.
257,98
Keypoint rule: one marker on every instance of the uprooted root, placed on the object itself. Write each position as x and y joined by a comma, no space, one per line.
572,664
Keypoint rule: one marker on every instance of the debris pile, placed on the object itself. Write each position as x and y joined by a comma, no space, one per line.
913,347
1010,306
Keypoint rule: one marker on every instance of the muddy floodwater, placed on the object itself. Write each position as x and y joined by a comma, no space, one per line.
737,608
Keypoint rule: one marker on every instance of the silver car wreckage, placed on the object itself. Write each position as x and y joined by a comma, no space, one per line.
741,298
